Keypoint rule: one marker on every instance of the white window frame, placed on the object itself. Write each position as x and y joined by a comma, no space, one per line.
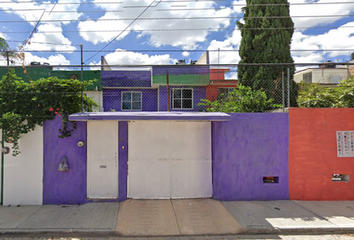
131,101
182,108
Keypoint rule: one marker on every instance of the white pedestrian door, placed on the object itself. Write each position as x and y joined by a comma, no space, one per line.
169,159
102,159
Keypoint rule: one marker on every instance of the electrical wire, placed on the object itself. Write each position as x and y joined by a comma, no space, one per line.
177,18
192,65
124,29
230,5
188,50
177,29
195,1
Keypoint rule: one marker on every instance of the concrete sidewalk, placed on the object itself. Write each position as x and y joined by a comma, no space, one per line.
181,218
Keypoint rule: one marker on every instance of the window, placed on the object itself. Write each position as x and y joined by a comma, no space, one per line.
223,92
307,77
182,98
131,100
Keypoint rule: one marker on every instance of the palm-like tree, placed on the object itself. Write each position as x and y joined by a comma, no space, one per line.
4,46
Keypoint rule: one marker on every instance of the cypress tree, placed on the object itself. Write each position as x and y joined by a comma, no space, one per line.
267,40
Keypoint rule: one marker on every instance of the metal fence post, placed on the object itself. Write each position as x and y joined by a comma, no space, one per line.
283,91
288,87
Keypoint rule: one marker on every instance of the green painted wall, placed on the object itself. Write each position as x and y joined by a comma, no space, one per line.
183,79
34,73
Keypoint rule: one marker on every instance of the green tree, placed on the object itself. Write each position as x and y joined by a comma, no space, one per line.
3,46
242,99
23,105
315,96
266,37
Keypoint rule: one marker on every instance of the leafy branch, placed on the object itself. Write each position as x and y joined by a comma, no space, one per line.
313,95
242,99
23,105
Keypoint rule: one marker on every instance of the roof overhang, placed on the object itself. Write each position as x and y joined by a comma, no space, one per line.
159,116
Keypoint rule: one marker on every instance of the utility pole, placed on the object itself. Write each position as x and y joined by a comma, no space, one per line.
168,91
283,90
82,79
288,88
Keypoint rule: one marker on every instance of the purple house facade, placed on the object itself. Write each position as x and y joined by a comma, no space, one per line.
223,147
159,88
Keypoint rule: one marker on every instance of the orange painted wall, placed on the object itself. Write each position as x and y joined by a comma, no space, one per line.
217,80
212,88
313,154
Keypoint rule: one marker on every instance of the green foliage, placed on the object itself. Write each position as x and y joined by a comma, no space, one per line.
242,99
267,40
3,45
315,96
25,105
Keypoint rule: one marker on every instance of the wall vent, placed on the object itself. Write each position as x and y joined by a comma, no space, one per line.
271,179
340,177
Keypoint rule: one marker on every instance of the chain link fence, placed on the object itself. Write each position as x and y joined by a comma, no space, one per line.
193,87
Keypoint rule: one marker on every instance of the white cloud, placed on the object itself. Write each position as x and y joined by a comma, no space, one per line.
341,38
42,40
317,9
225,57
186,39
132,58
57,59
61,11
186,54
64,12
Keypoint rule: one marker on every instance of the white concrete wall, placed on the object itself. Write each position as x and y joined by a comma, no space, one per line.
325,75
97,96
23,184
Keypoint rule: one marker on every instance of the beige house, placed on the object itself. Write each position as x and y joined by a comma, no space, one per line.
325,76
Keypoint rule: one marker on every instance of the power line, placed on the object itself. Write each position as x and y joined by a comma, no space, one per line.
177,29
124,29
47,43
66,3
233,65
240,5
189,50
177,18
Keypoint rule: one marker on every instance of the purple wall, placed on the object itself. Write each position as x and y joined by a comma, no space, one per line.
123,161
198,94
70,187
181,70
64,187
112,99
246,149
126,78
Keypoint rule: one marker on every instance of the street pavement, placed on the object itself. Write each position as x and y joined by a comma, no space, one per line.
181,218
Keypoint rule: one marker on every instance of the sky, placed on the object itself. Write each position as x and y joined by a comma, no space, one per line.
148,32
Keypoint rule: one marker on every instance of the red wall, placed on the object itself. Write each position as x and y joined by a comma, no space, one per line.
217,80
212,88
313,154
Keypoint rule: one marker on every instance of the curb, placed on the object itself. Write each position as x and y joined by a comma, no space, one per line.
111,233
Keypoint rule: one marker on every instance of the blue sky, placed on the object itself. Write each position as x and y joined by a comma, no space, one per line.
101,21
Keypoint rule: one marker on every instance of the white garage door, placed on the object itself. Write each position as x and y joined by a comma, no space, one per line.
169,159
